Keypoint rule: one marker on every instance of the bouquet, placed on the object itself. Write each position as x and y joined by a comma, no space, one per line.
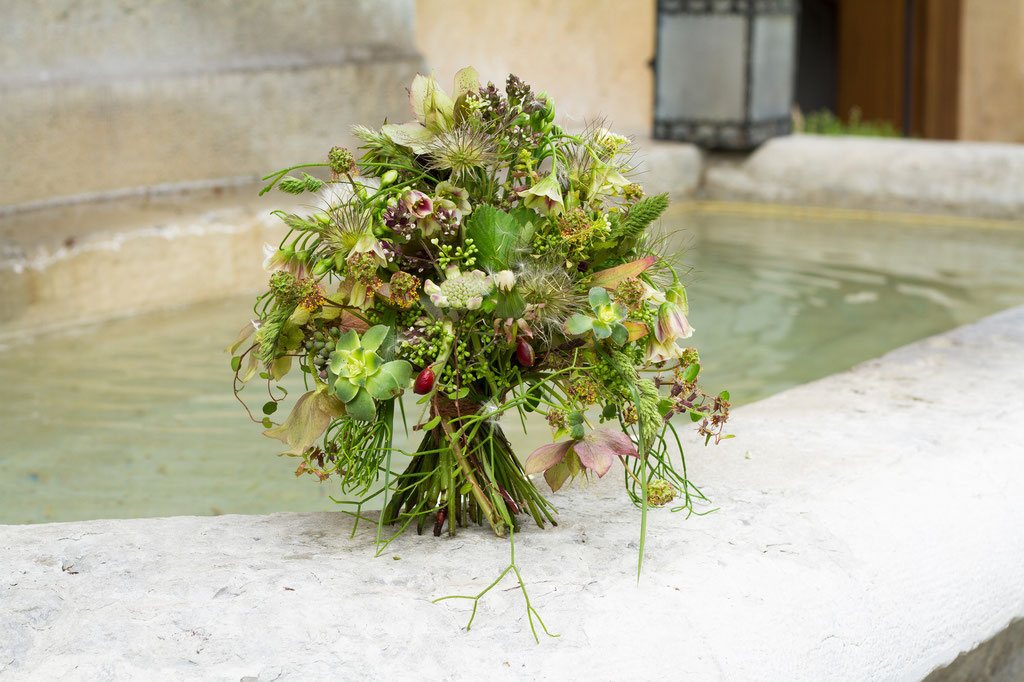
494,265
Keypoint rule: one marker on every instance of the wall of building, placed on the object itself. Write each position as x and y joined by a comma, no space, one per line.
107,95
992,71
591,55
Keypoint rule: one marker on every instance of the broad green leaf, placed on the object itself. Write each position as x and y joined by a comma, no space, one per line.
691,372
724,395
495,234
599,296
619,334
579,324
236,363
374,336
382,386
432,423
602,330
269,407
362,407
345,390
401,370
349,341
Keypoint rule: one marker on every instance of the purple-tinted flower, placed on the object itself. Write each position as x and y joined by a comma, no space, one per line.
595,452
418,203
399,219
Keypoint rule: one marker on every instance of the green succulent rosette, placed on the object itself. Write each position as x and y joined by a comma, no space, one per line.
359,377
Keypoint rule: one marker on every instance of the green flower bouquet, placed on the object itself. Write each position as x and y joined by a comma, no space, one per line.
493,265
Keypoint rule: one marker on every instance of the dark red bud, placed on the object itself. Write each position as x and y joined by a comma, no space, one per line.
424,382
524,353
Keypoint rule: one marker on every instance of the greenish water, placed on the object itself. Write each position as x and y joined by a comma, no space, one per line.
136,418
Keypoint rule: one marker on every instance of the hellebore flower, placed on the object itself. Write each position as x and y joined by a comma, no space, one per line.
457,195
672,322
420,205
358,377
606,320
287,259
594,452
459,290
545,197
662,351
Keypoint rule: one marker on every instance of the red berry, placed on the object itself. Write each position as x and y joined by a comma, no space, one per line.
524,353
424,382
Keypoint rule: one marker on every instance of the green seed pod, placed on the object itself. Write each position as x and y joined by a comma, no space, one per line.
388,178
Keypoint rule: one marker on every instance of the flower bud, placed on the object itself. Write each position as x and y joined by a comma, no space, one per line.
660,492
505,280
524,353
424,382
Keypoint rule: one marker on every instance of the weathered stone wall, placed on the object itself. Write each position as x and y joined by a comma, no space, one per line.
106,95
591,55
992,71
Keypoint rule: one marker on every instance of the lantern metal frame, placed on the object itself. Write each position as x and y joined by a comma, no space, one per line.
741,133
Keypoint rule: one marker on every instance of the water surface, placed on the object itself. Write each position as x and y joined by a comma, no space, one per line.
135,417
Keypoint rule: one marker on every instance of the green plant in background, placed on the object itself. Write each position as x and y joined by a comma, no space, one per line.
824,122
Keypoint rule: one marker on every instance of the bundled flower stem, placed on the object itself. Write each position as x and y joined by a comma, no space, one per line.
496,265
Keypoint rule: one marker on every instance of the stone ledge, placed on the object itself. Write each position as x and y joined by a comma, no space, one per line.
868,530
960,178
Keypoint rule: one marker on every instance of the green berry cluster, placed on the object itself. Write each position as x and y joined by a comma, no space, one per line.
320,345
449,253
429,341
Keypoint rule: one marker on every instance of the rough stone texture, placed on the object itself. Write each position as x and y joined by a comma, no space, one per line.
962,178
1000,659
68,265
868,529
107,95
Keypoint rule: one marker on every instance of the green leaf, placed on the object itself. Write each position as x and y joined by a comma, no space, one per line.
724,395
349,341
400,370
619,334
695,416
267,423
269,407
432,424
362,407
345,390
236,363
603,330
691,372
374,336
495,234
382,386
599,296
579,324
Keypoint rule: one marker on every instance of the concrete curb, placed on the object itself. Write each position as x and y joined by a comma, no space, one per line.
868,530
